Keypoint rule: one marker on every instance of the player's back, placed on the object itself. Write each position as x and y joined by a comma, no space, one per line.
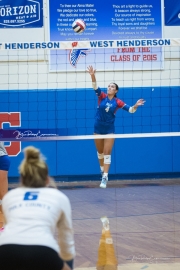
32,215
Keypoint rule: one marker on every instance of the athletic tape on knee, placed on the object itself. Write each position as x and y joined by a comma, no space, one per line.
0,202
107,159
100,156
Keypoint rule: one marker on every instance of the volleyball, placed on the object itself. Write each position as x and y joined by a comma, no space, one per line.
79,26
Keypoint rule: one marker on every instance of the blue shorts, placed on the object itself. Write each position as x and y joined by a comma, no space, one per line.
103,128
4,163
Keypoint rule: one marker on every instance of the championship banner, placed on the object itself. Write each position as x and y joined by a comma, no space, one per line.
21,13
109,20
172,12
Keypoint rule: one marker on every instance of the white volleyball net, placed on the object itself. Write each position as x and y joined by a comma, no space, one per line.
47,92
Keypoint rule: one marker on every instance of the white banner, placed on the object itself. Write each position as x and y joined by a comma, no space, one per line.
95,44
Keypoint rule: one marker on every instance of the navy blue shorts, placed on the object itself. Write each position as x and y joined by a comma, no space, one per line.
4,163
20,257
103,129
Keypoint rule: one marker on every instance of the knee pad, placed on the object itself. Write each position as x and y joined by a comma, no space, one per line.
100,156
107,159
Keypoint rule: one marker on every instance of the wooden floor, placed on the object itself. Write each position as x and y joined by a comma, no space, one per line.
141,266
144,221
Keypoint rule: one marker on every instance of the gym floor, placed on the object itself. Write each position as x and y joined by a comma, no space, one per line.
144,224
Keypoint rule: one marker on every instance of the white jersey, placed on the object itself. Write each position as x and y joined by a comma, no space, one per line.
2,149
33,215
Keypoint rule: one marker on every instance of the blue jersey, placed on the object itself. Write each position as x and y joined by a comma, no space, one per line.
107,108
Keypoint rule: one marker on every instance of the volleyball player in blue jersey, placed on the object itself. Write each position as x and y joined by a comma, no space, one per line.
108,104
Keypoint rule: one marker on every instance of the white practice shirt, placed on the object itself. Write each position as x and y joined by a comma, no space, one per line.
34,214
3,151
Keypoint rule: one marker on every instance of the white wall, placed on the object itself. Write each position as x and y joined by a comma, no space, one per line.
30,70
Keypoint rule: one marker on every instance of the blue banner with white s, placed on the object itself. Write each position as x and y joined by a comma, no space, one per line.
21,13
172,12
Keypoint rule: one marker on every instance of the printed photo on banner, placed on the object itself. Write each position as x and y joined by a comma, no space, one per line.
172,12
21,13
83,21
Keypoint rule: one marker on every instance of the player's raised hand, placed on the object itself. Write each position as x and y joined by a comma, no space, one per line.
140,102
91,70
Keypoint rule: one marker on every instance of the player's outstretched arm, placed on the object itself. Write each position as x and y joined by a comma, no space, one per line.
92,72
140,102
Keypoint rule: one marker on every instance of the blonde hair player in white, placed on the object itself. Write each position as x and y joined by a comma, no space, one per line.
4,168
33,212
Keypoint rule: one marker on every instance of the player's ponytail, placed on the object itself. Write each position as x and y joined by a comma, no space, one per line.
33,169
117,88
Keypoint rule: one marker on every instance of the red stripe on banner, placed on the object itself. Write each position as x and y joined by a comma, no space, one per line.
14,120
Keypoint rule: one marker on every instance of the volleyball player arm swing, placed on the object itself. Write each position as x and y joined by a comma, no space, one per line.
130,109
138,103
92,71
